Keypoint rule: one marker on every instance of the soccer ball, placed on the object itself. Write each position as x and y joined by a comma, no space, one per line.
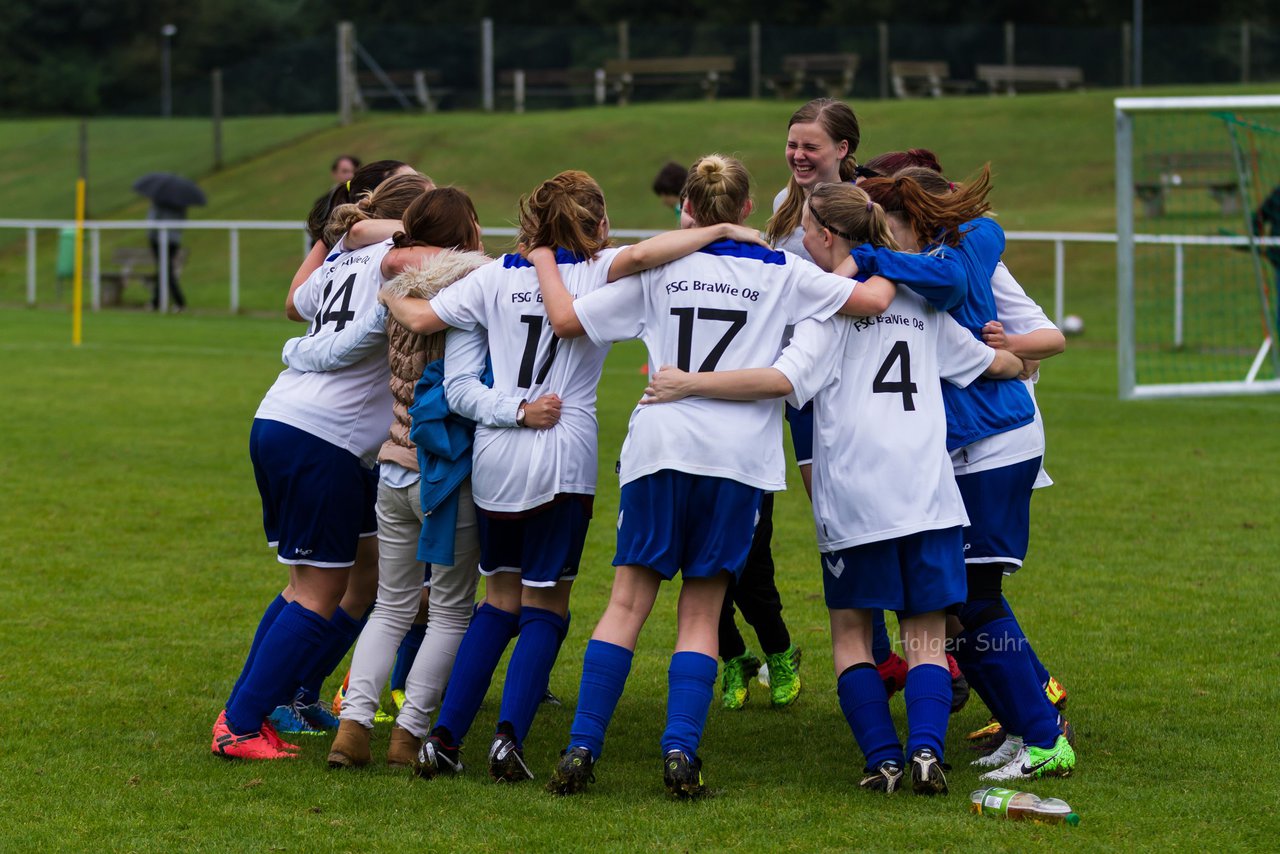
1073,324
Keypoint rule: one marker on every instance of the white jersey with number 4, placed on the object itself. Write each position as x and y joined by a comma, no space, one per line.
350,407
722,308
880,463
515,469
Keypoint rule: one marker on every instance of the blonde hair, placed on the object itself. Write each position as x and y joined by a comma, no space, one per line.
717,189
565,212
388,200
846,211
839,123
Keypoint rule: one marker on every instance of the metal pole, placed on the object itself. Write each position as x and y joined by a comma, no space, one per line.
600,87
162,274
1244,52
84,161
166,79
1177,295
624,40
882,30
1126,55
217,118
1137,44
1059,282
1008,43
517,89
234,262
346,71
486,63
31,266
1126,367
755,59
95,269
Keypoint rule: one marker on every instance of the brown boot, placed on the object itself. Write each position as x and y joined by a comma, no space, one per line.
350,746
403,750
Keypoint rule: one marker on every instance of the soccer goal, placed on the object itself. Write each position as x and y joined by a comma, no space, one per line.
1198,245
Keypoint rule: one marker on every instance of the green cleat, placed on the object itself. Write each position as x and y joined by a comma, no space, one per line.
1056,761
736,679
784,676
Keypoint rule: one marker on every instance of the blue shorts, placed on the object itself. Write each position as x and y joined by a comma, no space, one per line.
801,422
998,502
317,499
544,544
700,526
912,575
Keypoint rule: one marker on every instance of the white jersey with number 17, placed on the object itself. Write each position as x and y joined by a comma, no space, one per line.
880,463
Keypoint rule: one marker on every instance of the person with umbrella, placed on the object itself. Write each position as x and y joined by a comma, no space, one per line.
170,197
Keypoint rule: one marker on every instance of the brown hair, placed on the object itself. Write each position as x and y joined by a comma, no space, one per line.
935,217
840,123
564,212
443,217
387,200
892,162
846,211
717,189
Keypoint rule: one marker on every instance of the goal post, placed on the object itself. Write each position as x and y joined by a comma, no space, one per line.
1198,245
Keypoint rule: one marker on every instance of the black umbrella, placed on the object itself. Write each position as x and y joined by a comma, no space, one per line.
169,190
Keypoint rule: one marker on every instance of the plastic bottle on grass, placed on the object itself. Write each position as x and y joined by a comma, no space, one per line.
1021,806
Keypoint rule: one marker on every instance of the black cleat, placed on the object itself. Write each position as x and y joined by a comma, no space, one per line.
682,776
436,758
506,759
927,777
573,772
884,777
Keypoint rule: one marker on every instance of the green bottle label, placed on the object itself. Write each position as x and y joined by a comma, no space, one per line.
996,801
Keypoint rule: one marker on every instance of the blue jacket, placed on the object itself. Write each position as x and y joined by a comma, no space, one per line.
444,459
958,279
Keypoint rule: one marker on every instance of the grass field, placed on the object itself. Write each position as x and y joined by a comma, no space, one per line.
135,571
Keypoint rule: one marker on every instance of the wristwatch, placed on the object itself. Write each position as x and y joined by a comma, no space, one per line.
520,414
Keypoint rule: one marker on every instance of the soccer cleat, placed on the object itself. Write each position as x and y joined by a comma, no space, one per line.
893,673
988,737
551,699
269,733
784,676
927,777
506,759
436,758
317,716
341,695
1056,693
573,772
1068,731
736,679
1034,762
287,719
350,748
959,686
1002,755
885,777
402,752
683,776
254,745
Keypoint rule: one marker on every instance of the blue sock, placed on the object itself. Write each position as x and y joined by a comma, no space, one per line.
1002,655
486,639
405,655
605,667
296,637
264,625
530,668
928,696
343,631
880,645
966,656
866,707
1042,672
691,682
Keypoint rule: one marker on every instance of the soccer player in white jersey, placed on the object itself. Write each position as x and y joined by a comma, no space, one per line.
693,474
313,445
885,502
534,489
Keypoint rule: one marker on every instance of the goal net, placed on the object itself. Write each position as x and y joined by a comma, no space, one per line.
1198,234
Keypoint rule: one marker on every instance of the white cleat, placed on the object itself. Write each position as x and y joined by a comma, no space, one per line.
1011,770
1002,755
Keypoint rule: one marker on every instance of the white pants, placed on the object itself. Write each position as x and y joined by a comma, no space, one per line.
400,573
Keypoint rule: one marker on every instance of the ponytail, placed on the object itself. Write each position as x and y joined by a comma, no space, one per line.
849,213
717,189
565,212
387,200
935,214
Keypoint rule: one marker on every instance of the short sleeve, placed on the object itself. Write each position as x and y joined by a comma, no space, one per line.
463,304
307,297
807,361
615,312
961,357
815,294
1018,312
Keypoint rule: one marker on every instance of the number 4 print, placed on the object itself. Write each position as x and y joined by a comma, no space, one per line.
904,386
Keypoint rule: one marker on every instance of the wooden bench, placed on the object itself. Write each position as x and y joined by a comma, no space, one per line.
1009,78
134,265
832,73
928,78
522,84
624,74
1214,171
407,88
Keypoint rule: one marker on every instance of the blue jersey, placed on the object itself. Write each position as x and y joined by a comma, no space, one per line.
958,279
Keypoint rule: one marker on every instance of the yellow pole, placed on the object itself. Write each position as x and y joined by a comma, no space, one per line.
77,299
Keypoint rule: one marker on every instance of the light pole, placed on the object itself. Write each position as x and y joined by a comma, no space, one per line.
1137,44
167,33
